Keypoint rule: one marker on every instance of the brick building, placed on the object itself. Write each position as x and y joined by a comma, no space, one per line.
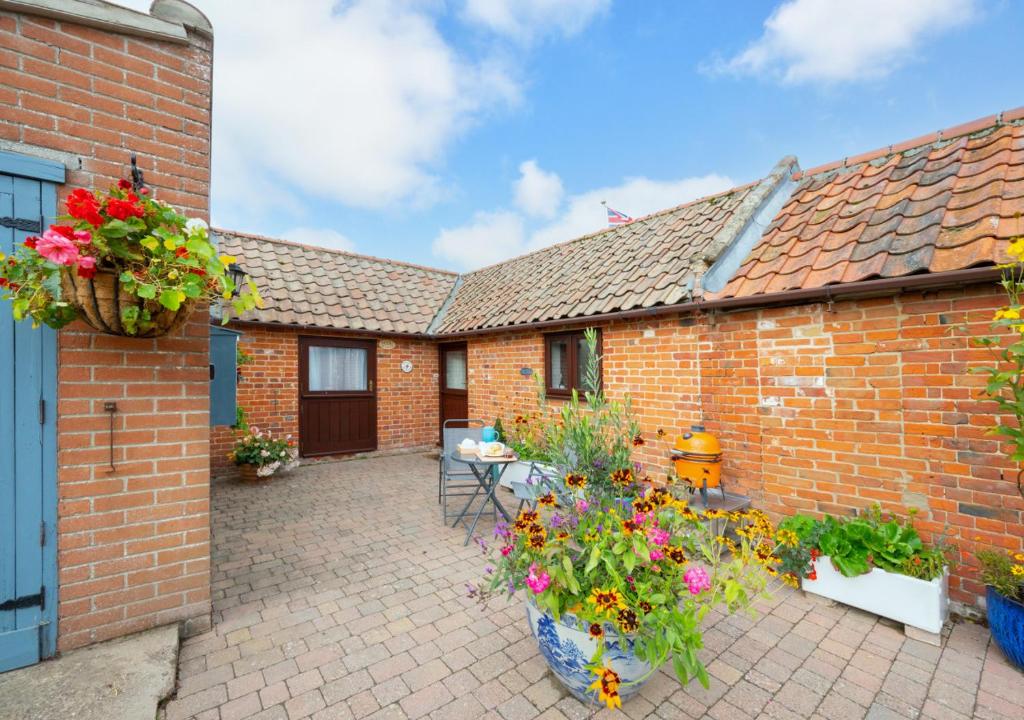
122,497
818,322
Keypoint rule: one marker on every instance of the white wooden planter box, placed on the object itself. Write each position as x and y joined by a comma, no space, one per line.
517,473
923,604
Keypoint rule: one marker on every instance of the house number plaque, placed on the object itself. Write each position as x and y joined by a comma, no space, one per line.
407,366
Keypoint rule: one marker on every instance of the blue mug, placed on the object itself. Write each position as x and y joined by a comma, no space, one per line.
489,434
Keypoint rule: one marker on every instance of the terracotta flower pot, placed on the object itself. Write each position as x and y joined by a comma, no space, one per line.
248,473
101,300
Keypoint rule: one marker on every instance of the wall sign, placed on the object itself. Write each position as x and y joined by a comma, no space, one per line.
387,344
407,366
526,371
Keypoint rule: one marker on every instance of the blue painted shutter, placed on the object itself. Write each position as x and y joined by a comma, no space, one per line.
27,437
223,375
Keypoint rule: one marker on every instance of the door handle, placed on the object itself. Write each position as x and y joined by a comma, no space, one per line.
371,386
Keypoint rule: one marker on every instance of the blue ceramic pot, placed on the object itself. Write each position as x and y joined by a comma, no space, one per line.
568,647
1006,621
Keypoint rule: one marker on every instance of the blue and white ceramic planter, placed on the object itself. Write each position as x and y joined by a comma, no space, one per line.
567,646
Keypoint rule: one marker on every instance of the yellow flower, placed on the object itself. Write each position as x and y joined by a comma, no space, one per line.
1019,557
1007,314
1018,570
1016,248
607,686
606,600
226,260
787,538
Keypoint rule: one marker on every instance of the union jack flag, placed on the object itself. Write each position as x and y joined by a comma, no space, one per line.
617,218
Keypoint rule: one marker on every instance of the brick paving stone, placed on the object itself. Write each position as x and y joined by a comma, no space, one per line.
425,700
241,708
315,619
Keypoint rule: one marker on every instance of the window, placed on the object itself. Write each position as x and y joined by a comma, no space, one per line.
455,370
565,360
337,369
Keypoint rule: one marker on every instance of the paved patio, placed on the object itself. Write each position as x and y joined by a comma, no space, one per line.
338,595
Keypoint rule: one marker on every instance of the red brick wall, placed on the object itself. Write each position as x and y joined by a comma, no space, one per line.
407,403
133,543
818,409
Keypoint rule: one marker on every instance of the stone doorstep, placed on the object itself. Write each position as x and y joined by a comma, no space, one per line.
124,678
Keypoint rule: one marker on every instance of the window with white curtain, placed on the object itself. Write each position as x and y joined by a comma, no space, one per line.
337,369
455,369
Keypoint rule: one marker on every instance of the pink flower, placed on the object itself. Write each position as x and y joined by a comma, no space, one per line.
697,579
537,583
506,550
57,249
657,555
639,518
657,536
582,505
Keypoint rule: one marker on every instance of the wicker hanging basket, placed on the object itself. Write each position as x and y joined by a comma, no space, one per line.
100,300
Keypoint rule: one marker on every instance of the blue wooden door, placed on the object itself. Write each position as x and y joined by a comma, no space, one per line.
27,441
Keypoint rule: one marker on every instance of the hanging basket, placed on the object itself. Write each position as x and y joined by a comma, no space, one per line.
100,301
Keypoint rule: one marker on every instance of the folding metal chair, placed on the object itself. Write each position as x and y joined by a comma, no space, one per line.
455,480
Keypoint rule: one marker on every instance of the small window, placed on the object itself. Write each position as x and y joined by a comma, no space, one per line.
337,369
565,359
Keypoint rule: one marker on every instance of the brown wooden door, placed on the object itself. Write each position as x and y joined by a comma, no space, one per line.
453,379
337,395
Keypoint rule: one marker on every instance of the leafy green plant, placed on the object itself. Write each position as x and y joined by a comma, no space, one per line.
241,419
855,545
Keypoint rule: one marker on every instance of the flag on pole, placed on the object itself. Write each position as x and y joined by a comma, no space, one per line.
616,218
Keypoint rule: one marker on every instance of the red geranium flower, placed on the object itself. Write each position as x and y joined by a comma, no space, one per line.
123,209
181,252
124,184
30,242
83,205
86,267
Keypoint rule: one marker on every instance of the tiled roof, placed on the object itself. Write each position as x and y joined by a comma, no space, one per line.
946,202
655,260
303,285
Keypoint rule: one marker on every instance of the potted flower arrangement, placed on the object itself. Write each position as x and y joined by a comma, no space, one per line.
616,588
872,562
260,455
1003,575
123,262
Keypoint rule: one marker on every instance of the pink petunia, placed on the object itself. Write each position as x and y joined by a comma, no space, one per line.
57,249
537,583
697,579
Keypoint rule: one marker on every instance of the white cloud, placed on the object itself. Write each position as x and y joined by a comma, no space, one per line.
499,235
526,20
538,192
321,237
351,102
838,40
490,237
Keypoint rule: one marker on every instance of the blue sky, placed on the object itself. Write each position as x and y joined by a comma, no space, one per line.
455,134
